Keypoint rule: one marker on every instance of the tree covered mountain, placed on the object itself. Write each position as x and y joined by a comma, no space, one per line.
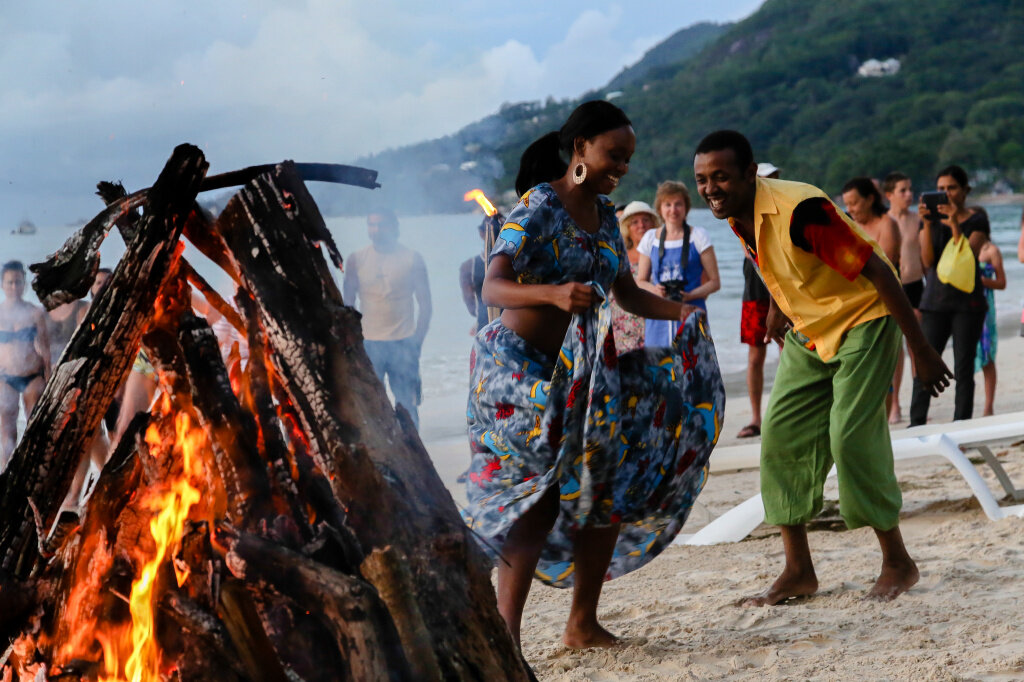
668,54
788,77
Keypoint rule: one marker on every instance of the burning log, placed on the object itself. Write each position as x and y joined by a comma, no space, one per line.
373,460
96,361
242,536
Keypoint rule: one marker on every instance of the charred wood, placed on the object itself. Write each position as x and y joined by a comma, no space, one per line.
346,606
231,428
323,545
96,362
114,192
211,295
245,630
274,446
372,462
207,651
67,275
312,486
389,573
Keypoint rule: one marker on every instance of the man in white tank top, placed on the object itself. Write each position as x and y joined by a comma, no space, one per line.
387,282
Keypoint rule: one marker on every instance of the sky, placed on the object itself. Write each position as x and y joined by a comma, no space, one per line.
105,90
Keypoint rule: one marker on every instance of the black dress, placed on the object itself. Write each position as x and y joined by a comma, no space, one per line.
949,312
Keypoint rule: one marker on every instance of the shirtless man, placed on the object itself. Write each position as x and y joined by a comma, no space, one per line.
900,196
24,356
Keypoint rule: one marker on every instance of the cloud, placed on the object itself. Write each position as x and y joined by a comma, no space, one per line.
98,92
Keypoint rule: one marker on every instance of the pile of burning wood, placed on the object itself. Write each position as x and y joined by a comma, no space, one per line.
279,521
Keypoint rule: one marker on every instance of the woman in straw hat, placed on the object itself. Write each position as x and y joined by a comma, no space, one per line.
637,219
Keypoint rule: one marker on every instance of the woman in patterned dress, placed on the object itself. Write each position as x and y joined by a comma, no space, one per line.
637,219
585,463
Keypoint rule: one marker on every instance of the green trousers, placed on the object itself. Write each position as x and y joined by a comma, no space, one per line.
824,412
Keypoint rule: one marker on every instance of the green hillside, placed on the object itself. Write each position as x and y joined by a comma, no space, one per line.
787,76
668,54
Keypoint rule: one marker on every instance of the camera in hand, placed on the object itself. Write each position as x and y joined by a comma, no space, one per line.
674,289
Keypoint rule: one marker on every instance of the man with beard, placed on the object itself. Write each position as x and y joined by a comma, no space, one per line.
387,278
838,306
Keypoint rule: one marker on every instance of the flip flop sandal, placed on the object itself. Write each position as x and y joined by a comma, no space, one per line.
749,431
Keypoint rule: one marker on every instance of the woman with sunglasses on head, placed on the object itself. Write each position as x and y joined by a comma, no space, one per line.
946,310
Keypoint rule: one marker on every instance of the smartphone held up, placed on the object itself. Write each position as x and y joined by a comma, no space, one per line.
932,200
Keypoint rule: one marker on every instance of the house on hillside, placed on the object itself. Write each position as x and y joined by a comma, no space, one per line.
873,68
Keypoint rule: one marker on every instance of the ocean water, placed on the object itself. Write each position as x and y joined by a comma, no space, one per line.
447,240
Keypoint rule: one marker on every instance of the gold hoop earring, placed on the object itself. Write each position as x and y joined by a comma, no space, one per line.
579,173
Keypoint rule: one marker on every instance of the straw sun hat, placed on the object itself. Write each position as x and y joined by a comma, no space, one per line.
634,207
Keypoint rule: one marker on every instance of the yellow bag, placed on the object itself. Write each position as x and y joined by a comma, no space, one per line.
956,265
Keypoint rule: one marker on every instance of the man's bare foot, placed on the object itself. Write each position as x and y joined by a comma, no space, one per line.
896,578
786,586
585,636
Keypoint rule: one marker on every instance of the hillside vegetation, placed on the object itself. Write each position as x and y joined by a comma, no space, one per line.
787,76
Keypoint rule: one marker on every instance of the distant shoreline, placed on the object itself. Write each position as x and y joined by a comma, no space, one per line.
1014,198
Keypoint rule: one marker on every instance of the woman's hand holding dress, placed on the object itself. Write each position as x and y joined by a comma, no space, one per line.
573,297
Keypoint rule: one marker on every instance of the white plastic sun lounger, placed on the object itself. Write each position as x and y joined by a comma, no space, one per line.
951,441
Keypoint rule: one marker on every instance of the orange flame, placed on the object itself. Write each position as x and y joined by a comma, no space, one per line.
481,199
143,663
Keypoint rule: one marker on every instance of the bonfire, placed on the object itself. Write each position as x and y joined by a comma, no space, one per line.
269,518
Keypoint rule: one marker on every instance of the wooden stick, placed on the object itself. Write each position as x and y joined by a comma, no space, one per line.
389,573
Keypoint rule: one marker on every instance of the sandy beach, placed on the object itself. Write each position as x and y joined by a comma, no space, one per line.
678,617
679,620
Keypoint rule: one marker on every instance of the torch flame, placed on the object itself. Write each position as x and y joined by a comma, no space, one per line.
481,199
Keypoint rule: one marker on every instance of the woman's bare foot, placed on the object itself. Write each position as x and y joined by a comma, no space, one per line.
587,635
895,579
786,586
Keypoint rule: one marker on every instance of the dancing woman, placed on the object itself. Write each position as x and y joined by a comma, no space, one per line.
585,464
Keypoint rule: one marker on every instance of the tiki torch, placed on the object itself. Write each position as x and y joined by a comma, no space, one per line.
492,224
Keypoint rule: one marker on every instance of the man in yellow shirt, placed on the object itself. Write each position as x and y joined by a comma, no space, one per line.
837,310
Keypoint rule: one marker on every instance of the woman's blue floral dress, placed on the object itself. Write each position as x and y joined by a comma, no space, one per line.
625,438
